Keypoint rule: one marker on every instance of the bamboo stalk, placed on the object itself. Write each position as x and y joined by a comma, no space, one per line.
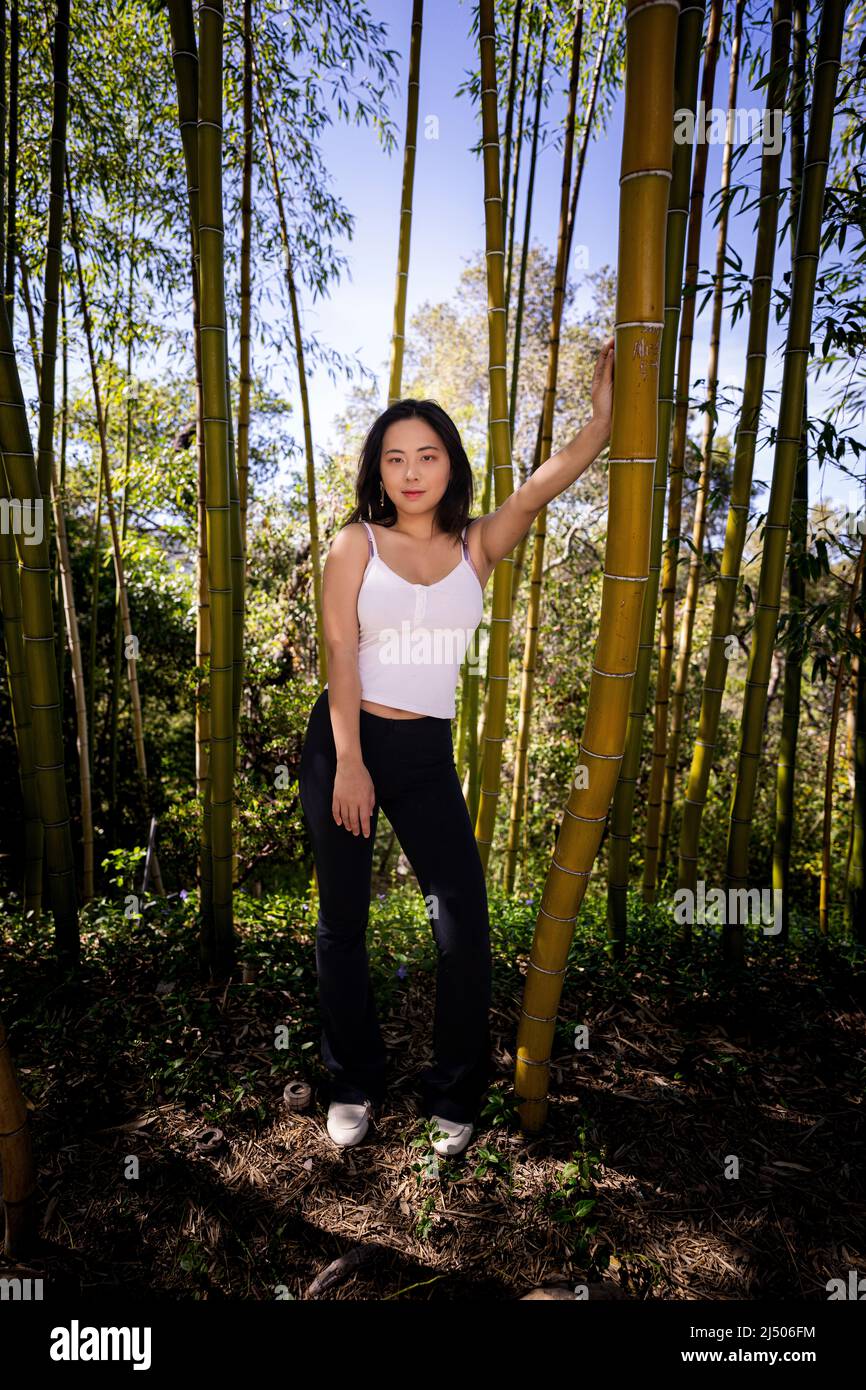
220,948
500,437
798,547
124,506
827,828
856,916
508,225
533,612
678,452
521,284
244,375
312,509
797,350
687,64
19,697
184,56
851,752
398,332
70,633
744,455
511,180
645,176
699,523
33,590
119,574
10,608
12,162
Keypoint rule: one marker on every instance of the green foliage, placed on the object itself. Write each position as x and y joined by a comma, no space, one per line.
122,866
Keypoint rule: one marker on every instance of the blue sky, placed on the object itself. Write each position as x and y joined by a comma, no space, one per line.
448,218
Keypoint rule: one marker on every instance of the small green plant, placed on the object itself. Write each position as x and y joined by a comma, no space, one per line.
573,1199
725,1062
195,1259
492,1162
426,1165
500,1108
424,1223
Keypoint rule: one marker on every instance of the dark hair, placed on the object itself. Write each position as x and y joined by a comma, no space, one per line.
452,513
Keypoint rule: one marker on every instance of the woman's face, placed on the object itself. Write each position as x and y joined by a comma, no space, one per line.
415,466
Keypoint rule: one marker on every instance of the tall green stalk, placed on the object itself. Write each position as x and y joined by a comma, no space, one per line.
699,523
398,332
788,436
652,838
744,456
500,436
217,426
797,550
530,651
687,65
855,896
40,659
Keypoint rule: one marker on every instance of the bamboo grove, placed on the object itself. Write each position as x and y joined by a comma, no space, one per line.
722,605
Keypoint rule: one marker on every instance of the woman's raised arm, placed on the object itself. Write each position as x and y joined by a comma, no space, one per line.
500,531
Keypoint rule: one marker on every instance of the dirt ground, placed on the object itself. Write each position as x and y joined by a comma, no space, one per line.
708,1144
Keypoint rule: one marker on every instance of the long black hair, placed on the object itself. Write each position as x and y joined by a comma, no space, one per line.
452,513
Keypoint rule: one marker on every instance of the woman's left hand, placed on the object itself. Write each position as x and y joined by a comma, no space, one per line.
602,388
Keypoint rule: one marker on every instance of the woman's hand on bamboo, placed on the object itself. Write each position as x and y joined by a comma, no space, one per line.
602,390
354,796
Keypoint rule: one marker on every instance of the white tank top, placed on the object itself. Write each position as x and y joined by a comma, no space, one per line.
413,637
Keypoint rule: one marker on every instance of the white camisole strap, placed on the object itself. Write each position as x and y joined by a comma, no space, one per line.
466,554
370,538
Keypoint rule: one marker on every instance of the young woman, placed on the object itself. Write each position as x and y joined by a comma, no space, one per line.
402,597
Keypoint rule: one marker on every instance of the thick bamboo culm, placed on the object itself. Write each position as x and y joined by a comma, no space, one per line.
786,762
37,627
398,333
185,62
16,1159
670,559
68,632
11,585
219,950
19,699
687,67
645,176
744,456
699,524
239,458
500,439
797,351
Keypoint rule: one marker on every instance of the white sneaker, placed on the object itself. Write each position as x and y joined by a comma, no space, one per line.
348,1123
457,1136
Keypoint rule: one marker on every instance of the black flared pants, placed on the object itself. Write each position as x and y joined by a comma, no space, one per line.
411,763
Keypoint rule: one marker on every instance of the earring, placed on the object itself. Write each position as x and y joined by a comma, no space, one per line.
381,493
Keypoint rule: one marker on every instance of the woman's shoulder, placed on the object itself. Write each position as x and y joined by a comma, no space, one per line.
349,540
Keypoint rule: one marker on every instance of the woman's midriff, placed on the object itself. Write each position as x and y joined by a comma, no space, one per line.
387,712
